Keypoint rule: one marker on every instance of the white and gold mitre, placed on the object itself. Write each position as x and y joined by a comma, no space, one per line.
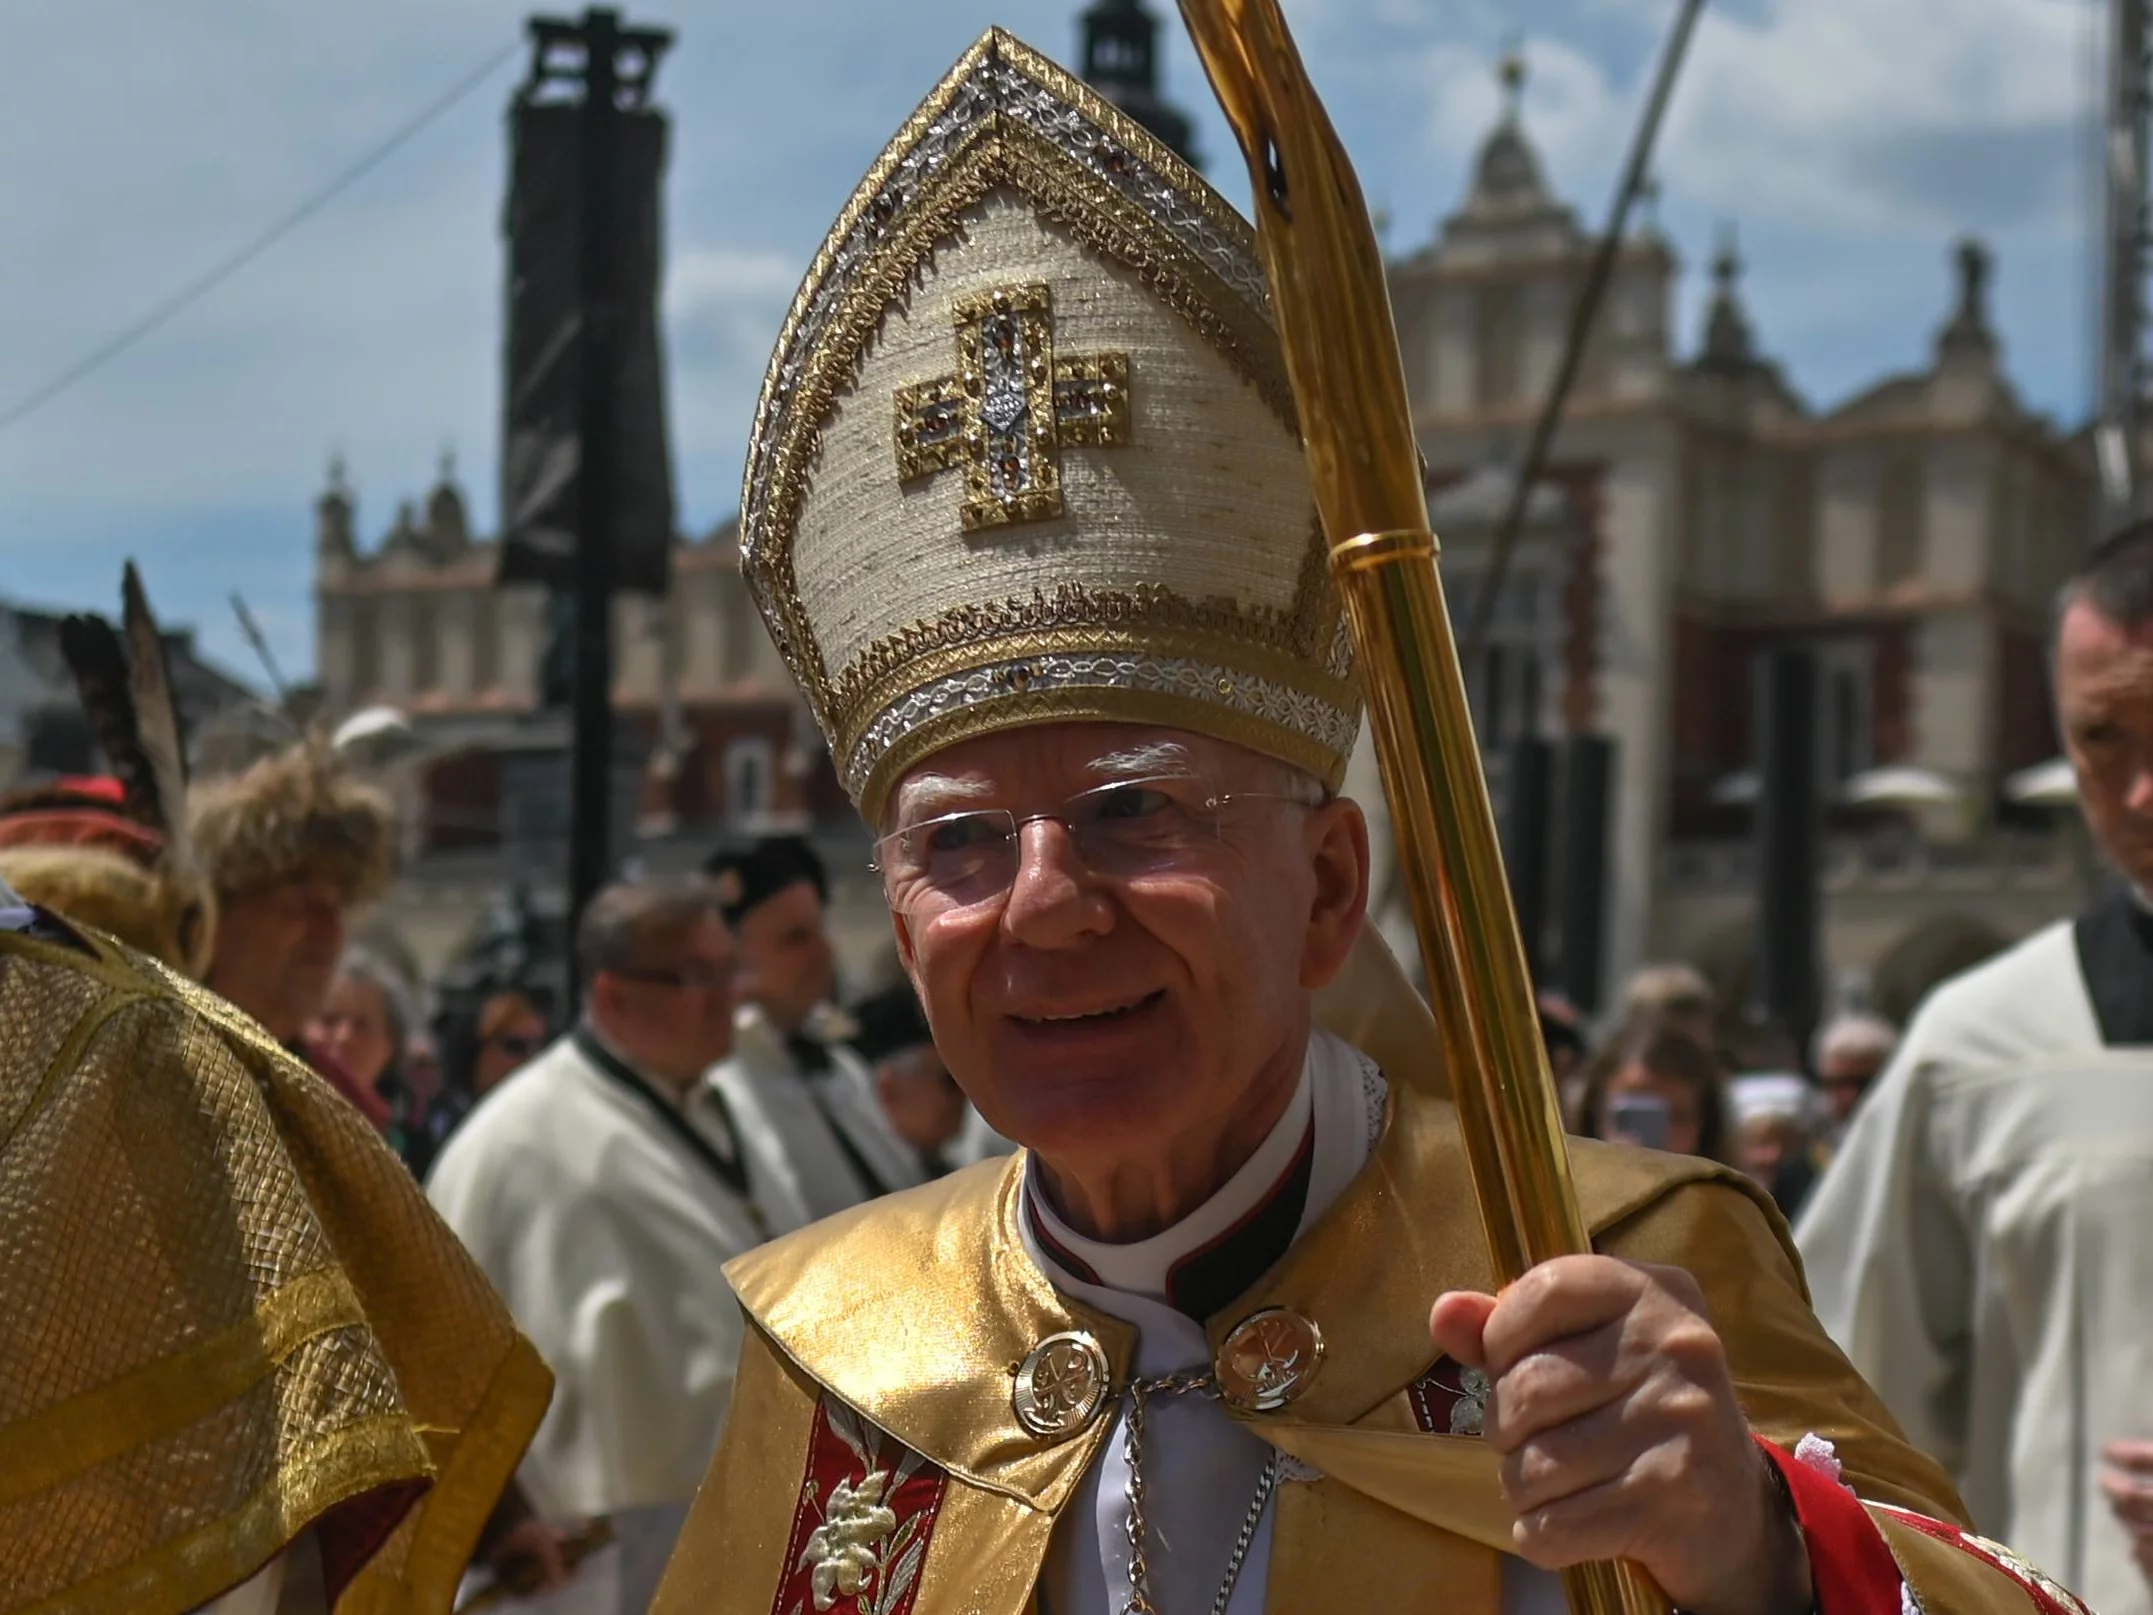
1027,451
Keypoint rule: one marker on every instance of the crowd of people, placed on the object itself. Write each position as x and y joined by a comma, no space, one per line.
1666,1075
882,1112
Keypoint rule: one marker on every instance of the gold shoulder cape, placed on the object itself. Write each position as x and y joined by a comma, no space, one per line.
229,1315
896,1330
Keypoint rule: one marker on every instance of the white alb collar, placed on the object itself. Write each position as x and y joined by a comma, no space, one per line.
1341,1097
1141,1267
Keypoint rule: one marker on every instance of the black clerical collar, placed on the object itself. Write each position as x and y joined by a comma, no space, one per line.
810,1054
1200,1274
2115,955
730,1169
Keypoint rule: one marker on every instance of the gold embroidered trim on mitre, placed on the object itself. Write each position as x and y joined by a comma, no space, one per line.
1007,119
1149,616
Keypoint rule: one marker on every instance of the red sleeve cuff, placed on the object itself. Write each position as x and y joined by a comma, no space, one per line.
1849,1561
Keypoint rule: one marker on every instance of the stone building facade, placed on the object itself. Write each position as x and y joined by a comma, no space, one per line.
716,743
1696,510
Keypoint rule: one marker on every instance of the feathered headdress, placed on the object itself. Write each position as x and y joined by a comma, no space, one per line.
115,852
300,814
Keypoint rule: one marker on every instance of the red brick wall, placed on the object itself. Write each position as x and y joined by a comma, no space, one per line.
2026,730
1892,689
1711,722
1583,591
463,801
702,785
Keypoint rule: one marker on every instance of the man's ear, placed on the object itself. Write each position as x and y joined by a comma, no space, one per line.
1338,853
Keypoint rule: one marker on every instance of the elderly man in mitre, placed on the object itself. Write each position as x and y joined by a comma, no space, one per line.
1027,511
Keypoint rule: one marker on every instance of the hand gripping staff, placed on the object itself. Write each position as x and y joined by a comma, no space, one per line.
1334,318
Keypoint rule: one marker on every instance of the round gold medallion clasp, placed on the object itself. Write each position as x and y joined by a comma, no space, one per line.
1268,1359
1060,1384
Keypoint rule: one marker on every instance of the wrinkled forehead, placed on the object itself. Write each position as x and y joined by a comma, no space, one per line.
1049,762
2103,665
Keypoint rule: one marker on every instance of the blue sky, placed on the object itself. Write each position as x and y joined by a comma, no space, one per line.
1850,142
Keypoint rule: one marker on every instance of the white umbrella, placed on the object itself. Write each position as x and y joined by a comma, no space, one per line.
376,737
2049,784
1901,786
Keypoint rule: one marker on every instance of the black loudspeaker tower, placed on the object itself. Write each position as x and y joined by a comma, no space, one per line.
1790,841
584,253
586,478
1528,786
1588,772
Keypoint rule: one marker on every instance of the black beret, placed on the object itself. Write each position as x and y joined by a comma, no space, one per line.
890,1023
748,877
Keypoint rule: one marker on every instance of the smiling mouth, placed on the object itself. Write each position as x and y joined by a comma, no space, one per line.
1089,1018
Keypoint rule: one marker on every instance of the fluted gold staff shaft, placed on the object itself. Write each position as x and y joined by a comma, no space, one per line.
1334,318
1477,975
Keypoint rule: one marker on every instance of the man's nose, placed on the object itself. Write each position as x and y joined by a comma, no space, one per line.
1053,897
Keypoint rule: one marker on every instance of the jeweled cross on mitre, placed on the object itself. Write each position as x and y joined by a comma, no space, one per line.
1010,409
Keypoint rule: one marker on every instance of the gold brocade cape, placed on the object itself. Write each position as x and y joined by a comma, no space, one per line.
229,1315
885,1341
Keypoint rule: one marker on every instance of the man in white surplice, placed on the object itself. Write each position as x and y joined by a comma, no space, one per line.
602,1188
808,1101
1982,1246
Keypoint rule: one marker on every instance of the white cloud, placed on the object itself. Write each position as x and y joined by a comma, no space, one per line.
1852,139
700,278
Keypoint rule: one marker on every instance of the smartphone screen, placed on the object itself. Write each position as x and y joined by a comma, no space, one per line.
1639,1118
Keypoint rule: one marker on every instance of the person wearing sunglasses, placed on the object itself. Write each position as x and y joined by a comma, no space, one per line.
1028,514
602,1189
511,1029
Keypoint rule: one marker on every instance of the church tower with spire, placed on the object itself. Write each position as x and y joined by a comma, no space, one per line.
1121,62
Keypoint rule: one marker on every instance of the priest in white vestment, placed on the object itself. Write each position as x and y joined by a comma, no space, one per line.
602,1190
1982,1247
807,1100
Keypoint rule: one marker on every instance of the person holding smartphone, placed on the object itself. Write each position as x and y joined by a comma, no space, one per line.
1663,1090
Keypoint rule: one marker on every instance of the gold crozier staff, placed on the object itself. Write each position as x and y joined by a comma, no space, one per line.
1334,317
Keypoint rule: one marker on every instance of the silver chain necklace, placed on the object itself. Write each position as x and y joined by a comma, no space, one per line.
1189,1382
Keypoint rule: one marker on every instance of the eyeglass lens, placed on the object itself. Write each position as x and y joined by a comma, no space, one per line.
1126,828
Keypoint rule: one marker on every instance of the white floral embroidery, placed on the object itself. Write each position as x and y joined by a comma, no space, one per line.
1469,1414
1814,1452
862,1551
843,1549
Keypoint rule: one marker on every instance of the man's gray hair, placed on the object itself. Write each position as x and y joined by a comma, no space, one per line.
1870,1036
399,1004
620,920
2115,579
1668,989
